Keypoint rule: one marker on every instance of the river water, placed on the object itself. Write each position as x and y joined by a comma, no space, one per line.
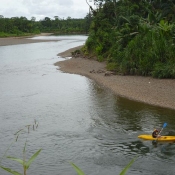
78,121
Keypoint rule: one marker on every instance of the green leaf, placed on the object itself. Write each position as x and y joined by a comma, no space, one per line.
78,170
32,159
24,150
127,167
16,159
10,171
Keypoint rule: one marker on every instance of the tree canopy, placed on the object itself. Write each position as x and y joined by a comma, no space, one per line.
17,26
135,37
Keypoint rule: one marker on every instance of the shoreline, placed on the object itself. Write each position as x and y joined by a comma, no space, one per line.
23,40
156,92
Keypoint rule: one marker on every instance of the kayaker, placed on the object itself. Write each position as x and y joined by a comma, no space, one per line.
155,133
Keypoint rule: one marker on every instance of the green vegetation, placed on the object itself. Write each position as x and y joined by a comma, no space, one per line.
16,26
25,164
135,37
123,172
21,26
65,26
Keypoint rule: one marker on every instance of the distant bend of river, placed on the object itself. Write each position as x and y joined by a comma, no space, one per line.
78,121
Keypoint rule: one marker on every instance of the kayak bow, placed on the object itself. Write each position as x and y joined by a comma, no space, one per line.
162,138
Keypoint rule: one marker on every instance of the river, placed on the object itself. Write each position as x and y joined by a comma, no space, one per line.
78,121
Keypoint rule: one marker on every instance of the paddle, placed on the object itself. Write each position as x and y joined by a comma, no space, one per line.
164,125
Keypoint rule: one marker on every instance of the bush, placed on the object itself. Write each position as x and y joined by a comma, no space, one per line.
164,70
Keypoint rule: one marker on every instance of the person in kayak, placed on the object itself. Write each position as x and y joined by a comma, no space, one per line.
155,133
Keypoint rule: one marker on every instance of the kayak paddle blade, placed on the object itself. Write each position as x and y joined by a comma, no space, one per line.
164,125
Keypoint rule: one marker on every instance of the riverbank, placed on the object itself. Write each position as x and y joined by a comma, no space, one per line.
158,92
23,40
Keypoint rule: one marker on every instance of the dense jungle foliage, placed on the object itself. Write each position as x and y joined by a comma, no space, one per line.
20,26
135,37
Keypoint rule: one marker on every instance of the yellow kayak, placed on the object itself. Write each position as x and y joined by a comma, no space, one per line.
162,138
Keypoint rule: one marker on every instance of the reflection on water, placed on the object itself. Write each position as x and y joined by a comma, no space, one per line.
79,121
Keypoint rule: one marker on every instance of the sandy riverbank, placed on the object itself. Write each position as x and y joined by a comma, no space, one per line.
158,92
23,40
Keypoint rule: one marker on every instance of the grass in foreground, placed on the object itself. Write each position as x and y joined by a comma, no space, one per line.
26,163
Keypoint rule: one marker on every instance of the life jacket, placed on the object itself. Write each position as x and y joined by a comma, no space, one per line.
155,133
